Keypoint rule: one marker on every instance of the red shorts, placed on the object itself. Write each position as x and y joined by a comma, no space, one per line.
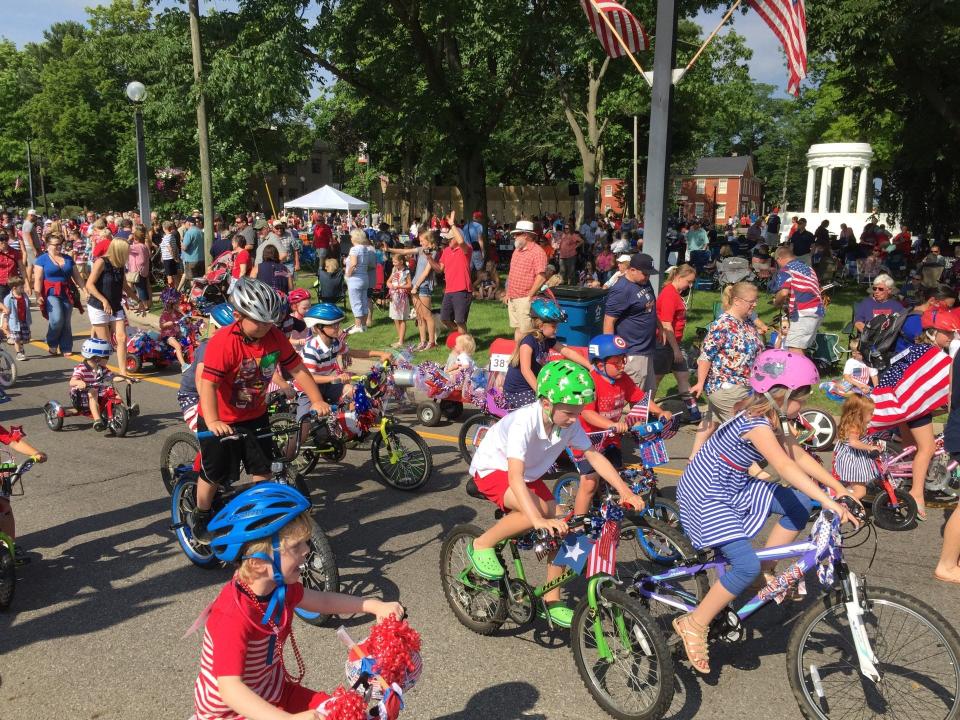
494,487
297,699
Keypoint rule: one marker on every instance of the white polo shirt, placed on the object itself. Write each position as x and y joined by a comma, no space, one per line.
521,436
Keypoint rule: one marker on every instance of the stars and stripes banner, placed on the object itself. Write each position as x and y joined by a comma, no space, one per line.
603,555
915,384
626,25
573,553
788,21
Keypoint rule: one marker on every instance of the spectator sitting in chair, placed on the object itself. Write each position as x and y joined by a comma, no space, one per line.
880,302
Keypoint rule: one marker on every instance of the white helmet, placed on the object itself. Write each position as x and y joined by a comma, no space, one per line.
257,300
95,347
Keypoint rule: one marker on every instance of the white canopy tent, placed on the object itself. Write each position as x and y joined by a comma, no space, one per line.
326,198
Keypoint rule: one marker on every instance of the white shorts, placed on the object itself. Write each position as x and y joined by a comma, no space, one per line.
99,317
802,332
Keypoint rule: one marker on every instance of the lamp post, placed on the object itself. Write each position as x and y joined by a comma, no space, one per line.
136,91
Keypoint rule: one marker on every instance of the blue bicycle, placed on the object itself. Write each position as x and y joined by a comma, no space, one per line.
857,652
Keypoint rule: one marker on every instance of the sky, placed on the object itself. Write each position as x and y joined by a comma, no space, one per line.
24,21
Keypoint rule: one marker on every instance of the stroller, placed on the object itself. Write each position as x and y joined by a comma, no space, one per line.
733,270
211,289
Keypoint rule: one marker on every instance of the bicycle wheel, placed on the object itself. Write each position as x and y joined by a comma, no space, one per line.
319,572
176,457
901,516
120,420
622,656
8,572
478,604
823,428
666,512
918,657
8,369
285,427
471,433
182,503
404,461
565,491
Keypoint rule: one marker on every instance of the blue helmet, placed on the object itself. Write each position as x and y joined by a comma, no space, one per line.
547,311
255,514
323,314
95,347
605,346
222,314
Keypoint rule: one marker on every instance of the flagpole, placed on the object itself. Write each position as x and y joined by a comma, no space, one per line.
712,35
623,43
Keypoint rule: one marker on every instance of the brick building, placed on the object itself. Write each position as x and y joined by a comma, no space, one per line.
610,196
720,188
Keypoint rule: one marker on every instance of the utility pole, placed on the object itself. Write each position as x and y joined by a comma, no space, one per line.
206,185
636,169
30,174
43,189
658,148
786,170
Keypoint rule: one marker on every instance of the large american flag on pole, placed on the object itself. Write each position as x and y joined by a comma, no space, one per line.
788,20
916,384
626,25
603,555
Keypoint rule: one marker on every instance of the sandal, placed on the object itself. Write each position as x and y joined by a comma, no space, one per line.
694,642
485,563
560,614
419,347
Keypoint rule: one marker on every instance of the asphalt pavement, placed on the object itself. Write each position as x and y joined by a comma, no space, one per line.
96,628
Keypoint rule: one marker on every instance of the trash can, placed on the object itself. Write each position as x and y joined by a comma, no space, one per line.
584,309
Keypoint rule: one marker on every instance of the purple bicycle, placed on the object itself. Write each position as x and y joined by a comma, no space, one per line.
857,652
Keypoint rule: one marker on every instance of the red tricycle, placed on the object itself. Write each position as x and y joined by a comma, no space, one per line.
147,346
115,409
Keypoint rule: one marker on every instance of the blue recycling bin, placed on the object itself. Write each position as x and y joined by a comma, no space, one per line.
584,309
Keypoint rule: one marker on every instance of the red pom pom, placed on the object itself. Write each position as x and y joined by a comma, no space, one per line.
16,433
346,705
390,643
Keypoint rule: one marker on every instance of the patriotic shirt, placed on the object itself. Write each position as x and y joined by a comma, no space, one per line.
610,401
731,346
90,375
320,358
719,500
235,644
915,385
801,281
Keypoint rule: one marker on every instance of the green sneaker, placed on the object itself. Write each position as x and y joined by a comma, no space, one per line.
560,614
485,563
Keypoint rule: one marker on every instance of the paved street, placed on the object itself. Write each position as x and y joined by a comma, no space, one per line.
95,628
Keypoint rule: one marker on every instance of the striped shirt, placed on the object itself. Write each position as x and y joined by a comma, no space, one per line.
851,465
719,500
321,359
167,247
801,281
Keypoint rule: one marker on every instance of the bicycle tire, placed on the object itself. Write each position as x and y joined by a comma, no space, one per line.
565,489
8,573
619,610
465,439
182,502
665,511
482,609
120,422
8,369
890,518
407,472
282,424
319,572
169,459
825,429
800,657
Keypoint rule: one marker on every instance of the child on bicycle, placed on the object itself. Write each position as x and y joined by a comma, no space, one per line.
266,530
723,505
188,397
14,439
514,455
614,389
170,324
852,461
90,379
238,364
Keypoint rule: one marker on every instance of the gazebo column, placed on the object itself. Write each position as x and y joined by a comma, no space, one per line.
811,185
826,181
862,190
845,189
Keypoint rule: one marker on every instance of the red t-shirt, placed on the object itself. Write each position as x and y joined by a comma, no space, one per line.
610,400
670,309
9,266
456,268
322,236
242,258
100,249
242,370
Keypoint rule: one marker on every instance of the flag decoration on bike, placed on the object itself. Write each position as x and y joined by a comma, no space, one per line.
603,555
624,23
573,552
916,384
788,21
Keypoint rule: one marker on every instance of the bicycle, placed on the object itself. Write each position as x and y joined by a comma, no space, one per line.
319,572
8,369
10,477
116,410
853,642
475,427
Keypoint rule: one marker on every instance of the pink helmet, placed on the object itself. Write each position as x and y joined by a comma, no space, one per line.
783,368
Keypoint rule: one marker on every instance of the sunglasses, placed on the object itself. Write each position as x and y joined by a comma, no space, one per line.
881,287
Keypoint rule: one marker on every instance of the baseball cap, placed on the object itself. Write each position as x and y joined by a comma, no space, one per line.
31,211
643,263
623,258
259,224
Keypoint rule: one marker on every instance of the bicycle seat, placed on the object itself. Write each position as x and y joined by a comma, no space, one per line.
473,491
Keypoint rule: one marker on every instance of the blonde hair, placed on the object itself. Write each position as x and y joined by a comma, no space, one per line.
783,252
855,416
331,265
118,253
735,290
537,335
298,529
359,237
758,405
680,271
466,343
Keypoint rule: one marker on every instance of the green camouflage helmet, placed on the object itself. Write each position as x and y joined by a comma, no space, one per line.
563,381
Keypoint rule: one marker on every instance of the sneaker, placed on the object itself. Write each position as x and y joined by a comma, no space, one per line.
198,526
100,425
485,563
184,367
21,356
356,329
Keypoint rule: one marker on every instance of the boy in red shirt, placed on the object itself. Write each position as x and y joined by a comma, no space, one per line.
238,365
614,389
14,438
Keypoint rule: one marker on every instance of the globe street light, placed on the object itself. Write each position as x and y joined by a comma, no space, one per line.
137,91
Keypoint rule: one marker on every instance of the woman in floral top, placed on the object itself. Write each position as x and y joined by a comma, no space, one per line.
729,349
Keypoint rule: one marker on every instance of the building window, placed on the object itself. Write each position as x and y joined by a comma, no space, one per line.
608,208
722,185
608,191
701,186
721,211
698,210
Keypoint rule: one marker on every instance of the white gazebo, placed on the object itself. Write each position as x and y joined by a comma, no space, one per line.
326,198
826,158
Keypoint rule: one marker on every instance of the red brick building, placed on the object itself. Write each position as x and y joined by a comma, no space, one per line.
720,188
610,196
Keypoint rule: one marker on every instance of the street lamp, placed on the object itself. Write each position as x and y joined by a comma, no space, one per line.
137,91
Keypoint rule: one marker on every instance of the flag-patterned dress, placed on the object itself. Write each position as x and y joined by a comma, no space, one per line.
916,384
719,500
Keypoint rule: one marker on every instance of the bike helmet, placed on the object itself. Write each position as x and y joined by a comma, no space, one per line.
563,381
782,368
297,296
95,347
323,314
256,300
547,311
221,314
606,346
939,319
170,295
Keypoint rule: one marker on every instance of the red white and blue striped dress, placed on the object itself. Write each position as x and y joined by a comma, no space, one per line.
719,500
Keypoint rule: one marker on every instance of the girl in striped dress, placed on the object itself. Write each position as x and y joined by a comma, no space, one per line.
852,463
722,502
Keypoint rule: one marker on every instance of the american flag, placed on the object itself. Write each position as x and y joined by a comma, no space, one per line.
628,27
603,555
916,384
788,20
